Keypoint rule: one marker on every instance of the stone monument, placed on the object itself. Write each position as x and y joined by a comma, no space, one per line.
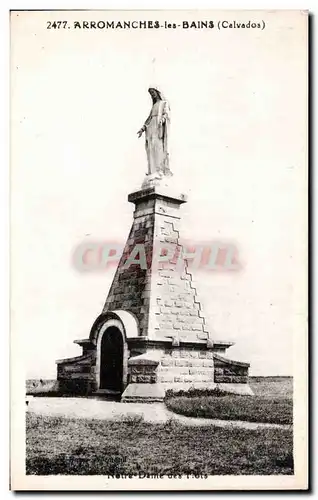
152,333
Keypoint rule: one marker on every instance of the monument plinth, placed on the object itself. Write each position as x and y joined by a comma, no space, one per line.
152,332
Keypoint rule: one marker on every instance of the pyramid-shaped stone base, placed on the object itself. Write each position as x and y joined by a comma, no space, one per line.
152,334
152,280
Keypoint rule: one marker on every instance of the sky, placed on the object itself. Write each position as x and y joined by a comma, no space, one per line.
238,149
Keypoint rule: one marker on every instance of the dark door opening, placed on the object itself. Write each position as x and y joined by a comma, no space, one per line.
111,360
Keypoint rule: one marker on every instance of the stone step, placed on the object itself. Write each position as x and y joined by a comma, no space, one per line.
107,394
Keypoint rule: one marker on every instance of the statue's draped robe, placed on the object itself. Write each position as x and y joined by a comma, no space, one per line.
157,137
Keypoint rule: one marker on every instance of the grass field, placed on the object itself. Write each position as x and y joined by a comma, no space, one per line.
247,408
57,445
272,403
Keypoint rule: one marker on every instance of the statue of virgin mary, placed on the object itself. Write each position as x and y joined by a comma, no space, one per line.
156,129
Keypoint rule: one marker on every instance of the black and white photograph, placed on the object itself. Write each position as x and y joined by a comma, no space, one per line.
159,186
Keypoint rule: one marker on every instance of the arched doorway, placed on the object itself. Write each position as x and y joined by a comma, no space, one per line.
111,360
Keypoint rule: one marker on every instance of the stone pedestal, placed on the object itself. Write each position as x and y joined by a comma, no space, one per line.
164,339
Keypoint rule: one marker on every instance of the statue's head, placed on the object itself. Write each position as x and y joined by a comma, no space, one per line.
155,94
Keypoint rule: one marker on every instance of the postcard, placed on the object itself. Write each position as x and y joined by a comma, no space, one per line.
159,181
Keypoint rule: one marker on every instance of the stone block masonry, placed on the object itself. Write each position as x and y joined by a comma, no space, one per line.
160,293
152,333
185,369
